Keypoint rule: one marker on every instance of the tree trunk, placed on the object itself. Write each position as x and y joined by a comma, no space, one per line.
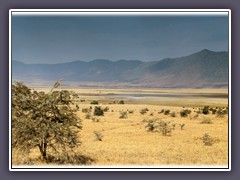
43,150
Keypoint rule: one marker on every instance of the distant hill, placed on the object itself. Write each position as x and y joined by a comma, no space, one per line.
202,69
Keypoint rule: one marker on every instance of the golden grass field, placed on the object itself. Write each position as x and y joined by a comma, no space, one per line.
127,141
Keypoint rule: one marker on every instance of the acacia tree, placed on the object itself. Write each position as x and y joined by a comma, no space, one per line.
47,121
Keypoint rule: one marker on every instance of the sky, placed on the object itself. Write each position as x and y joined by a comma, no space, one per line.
57,39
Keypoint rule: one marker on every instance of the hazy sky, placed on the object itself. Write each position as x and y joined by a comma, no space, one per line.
55,39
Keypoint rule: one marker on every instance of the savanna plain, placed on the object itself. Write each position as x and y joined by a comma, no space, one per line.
150,127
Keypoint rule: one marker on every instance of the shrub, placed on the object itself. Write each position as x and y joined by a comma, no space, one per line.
121,102
221,112
88,116
165,128
195,116
206,121
207,140
185,112
166,111
94,102
106,109
150,125
173,126
142,112
95,119
173,114
205,110
130,111
182,126
214,111
162,111
98,136
98,111
123,114
86,110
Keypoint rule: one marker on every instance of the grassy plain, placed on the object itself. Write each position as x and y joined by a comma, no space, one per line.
126,141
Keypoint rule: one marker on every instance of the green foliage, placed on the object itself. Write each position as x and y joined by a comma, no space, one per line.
121,102
157,125
185,112
166,111
150,125
205,110
94,102
44,120
98,111
165,128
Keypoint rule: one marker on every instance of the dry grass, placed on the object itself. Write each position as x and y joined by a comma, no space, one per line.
127,142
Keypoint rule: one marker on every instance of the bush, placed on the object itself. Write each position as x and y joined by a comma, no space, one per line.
206,121
88,116
165,128
213,111
173,114
144,111
98,136
121,102
207,140
221,112
185,112
86,110
98,111
150,125
130,111
94,102
123,114
166,111
106,109
162,111
95,119
205,110
182,126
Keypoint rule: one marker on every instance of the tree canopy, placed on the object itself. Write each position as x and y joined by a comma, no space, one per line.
46,121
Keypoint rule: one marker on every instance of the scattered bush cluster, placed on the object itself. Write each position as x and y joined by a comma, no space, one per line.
164,127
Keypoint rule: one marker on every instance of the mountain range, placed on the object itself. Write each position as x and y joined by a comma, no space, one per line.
202,69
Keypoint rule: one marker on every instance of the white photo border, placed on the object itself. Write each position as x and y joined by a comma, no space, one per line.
135,12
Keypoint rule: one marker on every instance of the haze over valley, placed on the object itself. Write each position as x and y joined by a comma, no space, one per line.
202,69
